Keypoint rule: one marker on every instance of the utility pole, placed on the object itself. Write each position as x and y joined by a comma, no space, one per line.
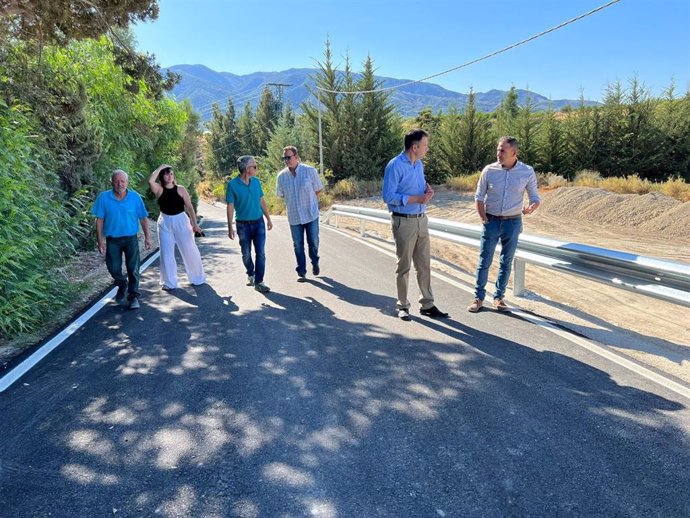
278,95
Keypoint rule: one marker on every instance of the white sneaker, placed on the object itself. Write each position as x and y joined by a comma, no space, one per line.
250,280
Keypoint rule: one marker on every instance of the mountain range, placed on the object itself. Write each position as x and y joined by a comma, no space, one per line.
203,86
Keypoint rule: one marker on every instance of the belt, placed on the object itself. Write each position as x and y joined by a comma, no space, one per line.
247,221
490,216
398,214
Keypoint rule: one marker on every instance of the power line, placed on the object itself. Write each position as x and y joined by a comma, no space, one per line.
487,56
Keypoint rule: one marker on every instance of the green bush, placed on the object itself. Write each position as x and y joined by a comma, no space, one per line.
33,236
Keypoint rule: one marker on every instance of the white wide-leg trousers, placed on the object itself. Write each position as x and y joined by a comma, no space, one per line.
177,230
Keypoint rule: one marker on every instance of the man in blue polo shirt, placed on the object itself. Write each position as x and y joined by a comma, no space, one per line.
118,214
245,200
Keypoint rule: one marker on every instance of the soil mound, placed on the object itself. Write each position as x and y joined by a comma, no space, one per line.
651,212
674,223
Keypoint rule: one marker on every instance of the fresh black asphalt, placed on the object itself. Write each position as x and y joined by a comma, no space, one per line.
315,400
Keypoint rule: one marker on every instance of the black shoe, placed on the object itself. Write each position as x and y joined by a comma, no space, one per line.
301,278
404,314
433,312
316,270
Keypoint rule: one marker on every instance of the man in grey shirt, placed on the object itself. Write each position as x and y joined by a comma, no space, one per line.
499,200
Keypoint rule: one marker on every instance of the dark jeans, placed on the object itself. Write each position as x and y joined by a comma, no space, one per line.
114,248
311,229
507,232
255,233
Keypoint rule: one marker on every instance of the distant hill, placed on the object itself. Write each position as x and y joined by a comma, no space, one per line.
203,86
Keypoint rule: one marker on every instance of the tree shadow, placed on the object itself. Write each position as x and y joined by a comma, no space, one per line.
289,410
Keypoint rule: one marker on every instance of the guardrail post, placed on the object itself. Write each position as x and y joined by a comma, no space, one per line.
518,277
361,227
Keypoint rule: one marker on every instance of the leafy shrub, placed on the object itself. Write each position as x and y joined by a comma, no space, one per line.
34,235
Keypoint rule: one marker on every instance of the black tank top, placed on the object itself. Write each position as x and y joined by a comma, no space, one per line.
170,202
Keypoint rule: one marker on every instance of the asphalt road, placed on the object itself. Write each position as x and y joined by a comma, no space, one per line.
315,400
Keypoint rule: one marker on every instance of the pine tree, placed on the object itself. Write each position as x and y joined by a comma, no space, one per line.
286,133
265,120
246,131
580,139
59,21
526,130
431,123
642,139
475,138
448,144
224,145
507,113
552,151
327,81
613,126
378,139
673,120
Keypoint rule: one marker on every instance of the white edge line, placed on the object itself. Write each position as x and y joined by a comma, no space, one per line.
12,376
590,345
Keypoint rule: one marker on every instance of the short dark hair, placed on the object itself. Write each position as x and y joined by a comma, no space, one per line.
511,141
414,136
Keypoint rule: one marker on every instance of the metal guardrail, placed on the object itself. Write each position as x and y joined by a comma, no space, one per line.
664,280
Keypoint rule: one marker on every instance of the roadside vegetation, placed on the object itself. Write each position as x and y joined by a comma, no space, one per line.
77,101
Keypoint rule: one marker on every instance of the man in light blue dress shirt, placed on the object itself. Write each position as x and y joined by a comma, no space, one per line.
499,200
406,192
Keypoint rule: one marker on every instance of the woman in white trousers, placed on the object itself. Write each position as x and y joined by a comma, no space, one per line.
175,228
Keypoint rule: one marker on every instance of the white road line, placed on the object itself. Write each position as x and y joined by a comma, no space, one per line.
8,379
591,346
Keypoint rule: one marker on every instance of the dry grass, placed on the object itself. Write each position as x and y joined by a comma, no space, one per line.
350,188
676,188
464,183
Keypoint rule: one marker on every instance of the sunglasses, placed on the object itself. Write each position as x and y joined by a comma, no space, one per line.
287,158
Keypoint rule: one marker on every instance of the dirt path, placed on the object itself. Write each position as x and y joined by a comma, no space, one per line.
650,331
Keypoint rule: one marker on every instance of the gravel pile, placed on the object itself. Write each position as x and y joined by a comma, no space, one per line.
652,212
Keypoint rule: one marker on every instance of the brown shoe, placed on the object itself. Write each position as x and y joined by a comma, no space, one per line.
501,305
475,306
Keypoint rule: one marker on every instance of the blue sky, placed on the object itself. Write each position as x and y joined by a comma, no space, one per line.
413,39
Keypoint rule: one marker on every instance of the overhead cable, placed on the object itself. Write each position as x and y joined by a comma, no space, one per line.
487,56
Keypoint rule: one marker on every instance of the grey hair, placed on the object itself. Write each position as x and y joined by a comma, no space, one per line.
243,162
511,141
119,171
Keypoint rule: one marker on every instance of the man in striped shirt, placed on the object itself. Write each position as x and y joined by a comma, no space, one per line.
299,185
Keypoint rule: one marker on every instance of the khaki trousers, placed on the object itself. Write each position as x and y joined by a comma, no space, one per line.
412,246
